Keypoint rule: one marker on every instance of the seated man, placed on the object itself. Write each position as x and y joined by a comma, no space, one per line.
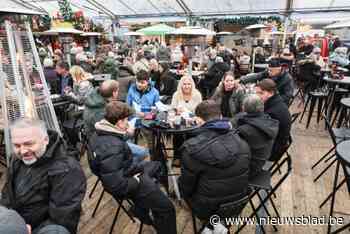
120,176
278,110
142,95
259,130
44,184
281,77
215,163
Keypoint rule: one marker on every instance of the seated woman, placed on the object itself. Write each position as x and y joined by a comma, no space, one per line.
166,84
81,85
230,95
185,99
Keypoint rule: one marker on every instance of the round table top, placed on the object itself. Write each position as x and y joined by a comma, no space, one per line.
345,80
182,129
343,151
345,102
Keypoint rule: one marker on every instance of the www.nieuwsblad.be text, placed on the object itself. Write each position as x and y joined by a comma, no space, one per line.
300,220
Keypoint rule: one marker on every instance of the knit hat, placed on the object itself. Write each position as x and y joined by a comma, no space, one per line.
11,222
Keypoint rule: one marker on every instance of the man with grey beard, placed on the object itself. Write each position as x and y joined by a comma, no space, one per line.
44,184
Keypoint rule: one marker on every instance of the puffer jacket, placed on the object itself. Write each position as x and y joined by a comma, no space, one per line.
52,188
259,130
215,168
93,111
113,163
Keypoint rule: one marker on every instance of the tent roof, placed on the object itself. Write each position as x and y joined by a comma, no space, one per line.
169,8
159,29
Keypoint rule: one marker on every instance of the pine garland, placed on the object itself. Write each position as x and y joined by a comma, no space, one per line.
65,10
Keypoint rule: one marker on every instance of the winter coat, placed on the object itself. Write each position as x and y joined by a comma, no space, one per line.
215,168
166,84
94,110
309,72
283,82
235,100
51,189
215,74
52,80
259,130
145,100
110,66
277,109
81,91
114,164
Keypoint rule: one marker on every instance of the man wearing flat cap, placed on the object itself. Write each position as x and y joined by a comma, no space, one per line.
280,76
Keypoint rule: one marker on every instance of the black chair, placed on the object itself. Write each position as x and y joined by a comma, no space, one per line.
343,159
312,99
227,209
344,112
263,182
337,135
91,157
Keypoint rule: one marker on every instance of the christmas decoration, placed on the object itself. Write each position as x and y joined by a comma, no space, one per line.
65,10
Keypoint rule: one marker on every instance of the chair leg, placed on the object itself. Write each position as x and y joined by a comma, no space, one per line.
257,216
305,107
115,219
312,107
319,109
324,170
342,228
194,224
98,204
336,115
341,117
267,211
93,189
332,193
333,196
126,211
332,156
141,227
322,158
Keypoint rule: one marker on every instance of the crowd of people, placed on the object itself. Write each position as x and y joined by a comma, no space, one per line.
242,130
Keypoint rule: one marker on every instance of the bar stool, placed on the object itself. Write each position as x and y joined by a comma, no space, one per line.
312,98
343,159
344,115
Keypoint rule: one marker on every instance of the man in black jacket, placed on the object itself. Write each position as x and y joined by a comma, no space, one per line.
277,109
44,185
215,163
281,77
259,130
123,178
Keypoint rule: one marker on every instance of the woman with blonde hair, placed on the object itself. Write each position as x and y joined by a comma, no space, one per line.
186,97
81,85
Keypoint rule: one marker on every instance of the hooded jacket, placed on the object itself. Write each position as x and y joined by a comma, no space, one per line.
278,110
114,165
215,167
52,188
94,110
259,130
283,82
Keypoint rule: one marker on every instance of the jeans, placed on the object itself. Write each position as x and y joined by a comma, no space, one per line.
262,212
51,229
139,153
150,197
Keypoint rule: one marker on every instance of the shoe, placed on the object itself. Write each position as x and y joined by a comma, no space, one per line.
143,216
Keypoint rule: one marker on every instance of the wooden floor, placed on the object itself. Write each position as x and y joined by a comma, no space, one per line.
298,195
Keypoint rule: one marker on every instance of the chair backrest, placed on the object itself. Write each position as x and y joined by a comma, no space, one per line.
91,156
330,129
